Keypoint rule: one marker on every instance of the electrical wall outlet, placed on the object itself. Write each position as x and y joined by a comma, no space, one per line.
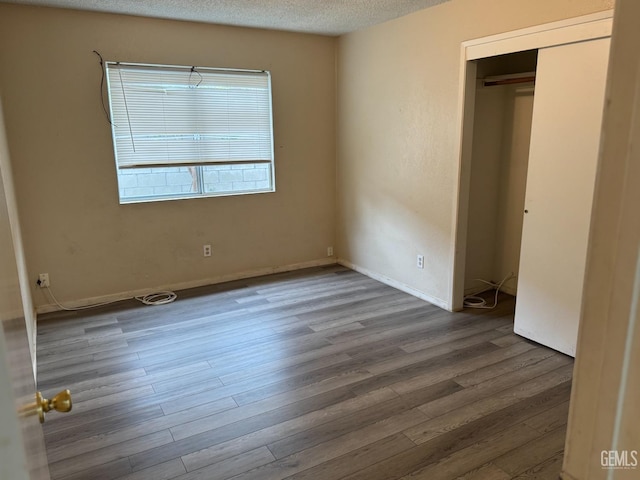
206,250
420,261
329,251
43,280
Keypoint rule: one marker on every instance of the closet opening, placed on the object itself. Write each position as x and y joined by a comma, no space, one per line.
527,169
499,153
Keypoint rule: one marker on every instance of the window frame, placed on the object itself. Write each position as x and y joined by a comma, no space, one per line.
199,181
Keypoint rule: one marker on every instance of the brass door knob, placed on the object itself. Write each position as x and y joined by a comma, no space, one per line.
60,403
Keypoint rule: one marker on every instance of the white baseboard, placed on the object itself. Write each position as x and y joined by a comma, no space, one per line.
52,307
475,290
509,290
396,284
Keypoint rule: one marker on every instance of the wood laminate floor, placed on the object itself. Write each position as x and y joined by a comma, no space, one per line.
316,374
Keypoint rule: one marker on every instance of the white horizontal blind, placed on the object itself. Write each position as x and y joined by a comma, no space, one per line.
171,116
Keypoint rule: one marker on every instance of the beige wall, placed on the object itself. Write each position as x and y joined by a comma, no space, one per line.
484,186
61,150
398,89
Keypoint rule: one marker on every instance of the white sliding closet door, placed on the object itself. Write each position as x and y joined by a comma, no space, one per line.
565,137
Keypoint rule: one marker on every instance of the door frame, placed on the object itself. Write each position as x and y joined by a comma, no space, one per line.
577,29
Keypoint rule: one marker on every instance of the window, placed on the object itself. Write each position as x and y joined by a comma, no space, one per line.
184,132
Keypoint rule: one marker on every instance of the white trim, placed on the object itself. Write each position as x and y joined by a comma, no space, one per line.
509,290
541,36
623,396
466,102
557,25
395,284
475,290
597,25
230,277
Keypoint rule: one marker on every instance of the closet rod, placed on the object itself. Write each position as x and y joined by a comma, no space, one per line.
508,81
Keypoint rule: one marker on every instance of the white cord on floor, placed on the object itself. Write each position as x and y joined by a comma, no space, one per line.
473,301
158,298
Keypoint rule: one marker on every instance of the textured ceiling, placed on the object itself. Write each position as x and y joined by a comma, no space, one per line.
326,17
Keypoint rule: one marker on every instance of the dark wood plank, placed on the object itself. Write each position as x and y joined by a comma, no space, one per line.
285,429
357,459
327,451
485,472
547,470
459,461
195,436
526,457
315,374
505,424
365,416
230,467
